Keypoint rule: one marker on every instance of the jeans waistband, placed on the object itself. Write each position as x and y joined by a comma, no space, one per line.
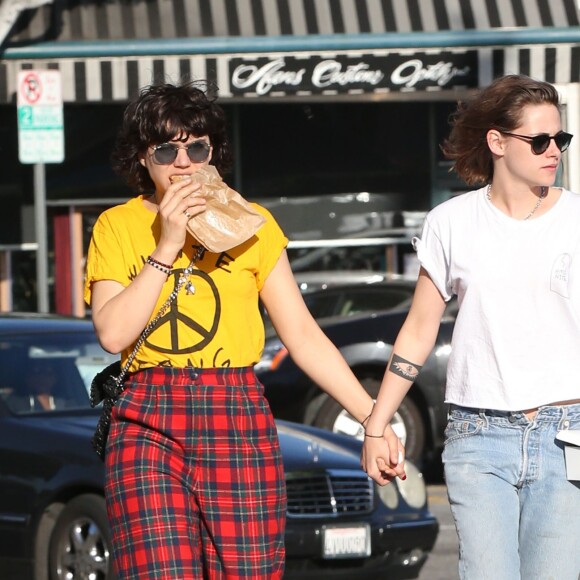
545,413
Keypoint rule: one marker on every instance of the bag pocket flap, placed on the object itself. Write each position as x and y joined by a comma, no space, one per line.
571,436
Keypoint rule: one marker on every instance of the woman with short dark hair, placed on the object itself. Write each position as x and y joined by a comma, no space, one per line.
194,478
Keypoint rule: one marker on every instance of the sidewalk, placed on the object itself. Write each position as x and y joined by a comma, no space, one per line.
442,562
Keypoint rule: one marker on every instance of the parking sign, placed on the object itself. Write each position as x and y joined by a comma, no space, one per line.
40,117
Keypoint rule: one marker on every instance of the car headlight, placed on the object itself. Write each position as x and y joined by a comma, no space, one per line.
413,488
388,495
274,353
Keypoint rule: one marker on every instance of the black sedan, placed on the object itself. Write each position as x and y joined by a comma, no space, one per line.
363,321
53,523
345,293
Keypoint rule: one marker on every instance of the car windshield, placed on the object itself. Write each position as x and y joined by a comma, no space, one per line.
47,372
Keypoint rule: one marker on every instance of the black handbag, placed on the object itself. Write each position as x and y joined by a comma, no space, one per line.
108,384
105,388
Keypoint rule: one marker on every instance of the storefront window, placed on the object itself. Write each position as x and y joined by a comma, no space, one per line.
333,148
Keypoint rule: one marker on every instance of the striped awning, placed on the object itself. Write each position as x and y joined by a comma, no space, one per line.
245,74
87,20
356,72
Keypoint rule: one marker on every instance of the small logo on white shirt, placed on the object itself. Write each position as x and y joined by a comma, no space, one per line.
561,275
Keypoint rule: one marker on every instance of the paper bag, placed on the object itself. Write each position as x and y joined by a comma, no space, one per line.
228,219
571,439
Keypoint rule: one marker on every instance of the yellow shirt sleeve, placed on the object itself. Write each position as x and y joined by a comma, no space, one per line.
272,243
104,257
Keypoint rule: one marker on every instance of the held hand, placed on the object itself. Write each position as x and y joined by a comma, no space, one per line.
383,458
180,203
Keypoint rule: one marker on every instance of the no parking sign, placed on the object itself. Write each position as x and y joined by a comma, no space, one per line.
40,117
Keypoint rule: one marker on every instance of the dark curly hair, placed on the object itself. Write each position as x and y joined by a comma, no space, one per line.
162,112
498,106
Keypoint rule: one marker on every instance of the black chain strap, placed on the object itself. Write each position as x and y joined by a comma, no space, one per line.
107,385
183,277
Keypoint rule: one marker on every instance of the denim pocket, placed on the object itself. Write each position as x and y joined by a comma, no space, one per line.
460,426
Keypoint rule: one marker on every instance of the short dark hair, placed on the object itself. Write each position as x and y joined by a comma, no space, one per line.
162,112
498,106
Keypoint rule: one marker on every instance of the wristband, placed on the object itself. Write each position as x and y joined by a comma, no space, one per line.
151,259
374,436
158,266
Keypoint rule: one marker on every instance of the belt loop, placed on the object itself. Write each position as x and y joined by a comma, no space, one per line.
483,416
564,423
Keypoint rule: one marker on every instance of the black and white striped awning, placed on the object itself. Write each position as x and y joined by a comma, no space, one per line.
66,20
355,72
302,73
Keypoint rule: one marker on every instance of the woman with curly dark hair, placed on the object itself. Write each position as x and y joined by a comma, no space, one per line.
510,252
194,478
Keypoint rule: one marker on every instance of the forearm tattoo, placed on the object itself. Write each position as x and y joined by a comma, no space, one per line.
404,368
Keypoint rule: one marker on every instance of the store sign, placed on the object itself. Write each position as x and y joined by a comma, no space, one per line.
40,117
346,74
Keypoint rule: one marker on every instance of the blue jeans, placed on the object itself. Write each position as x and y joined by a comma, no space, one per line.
516,514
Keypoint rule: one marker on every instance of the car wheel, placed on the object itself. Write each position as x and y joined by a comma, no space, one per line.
80,542
407,422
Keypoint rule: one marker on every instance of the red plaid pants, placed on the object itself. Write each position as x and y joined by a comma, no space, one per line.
194,478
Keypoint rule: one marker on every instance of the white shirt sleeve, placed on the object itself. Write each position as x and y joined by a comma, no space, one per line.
433,257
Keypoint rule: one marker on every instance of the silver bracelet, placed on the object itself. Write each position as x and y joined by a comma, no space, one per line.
158,265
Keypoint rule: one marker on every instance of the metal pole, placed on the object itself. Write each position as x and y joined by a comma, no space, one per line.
5,280
497,37
41,237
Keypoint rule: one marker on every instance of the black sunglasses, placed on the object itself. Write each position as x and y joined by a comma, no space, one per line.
541,142
166,153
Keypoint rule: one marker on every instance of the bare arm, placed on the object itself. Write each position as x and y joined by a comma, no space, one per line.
311,349
412,347
121,313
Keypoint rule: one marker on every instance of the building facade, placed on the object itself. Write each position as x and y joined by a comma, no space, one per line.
324,96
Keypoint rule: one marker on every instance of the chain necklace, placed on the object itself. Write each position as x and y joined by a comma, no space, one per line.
543,194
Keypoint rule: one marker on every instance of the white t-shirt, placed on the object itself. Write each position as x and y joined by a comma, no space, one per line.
516,341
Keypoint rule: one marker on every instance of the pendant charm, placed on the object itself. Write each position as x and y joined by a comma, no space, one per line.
189,288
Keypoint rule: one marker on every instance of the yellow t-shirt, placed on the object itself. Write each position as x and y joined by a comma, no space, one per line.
219,325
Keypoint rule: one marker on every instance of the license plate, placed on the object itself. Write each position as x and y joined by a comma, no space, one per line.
348,541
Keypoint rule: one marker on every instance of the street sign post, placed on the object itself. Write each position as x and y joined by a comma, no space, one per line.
40,117
40,141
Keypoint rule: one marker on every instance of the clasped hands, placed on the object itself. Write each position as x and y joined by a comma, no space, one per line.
383,458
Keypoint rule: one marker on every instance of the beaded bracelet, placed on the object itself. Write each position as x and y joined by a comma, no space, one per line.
162,267
151,259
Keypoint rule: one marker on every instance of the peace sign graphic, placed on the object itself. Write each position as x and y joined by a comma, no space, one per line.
176,320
